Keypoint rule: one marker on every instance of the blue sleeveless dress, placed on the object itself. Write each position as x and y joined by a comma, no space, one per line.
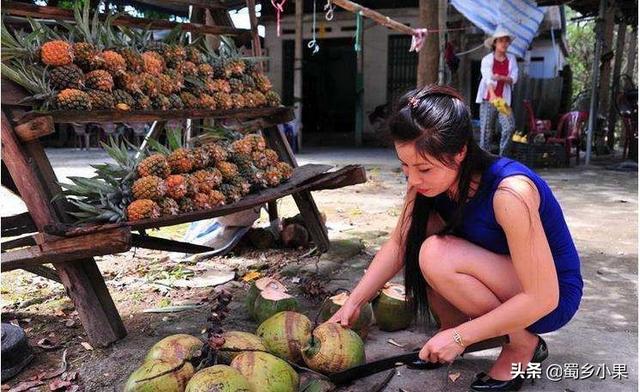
481,228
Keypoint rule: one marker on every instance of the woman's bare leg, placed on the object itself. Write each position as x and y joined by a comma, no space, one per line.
476,281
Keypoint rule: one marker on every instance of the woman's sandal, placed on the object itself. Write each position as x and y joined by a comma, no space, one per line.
485,383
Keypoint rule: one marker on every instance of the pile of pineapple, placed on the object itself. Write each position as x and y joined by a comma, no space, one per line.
92,66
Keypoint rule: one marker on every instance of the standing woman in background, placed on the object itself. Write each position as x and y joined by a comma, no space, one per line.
499,71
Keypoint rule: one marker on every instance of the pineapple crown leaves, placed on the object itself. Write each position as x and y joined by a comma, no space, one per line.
220,133
21,44
174,138
91,213
32,78
88,29
175,36
156,146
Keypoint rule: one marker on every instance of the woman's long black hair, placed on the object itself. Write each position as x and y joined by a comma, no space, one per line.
435,119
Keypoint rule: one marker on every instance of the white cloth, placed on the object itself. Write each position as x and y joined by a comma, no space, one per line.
486,69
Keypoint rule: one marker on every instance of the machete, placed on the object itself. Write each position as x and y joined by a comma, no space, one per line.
410,359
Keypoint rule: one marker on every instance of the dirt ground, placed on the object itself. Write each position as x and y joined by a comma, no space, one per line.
600,206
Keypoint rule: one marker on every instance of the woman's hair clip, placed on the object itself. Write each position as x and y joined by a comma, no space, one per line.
414,102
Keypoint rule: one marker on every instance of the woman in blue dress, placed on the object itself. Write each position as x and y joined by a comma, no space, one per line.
482,239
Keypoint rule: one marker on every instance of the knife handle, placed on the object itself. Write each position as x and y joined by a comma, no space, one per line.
479,346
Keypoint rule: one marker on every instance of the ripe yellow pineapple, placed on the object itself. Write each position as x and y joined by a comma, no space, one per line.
99,80
189,100
187,68
56,53
72,99
176,186
272,156
238,101
114,62
150,187
133,59
143,209
180,161
223,101
187,204
272,176
150,84
259,159
153,63
262,82
234,67
205,70
87,56
242,147
207,102
218,86
166,85
154,165
216,152
201,158
257,142
216,176
216,199
175,54
204,181
227,169
201,201
272,99
286,171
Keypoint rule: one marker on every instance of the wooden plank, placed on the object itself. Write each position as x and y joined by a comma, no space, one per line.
43,271
54,13
281,114
17,243
271,194
148,242
255,38
349,175
69,249
16,225
198,3
36,128
13,93
373,15
313,219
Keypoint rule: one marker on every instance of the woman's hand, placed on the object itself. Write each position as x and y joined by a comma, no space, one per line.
346,315
441,348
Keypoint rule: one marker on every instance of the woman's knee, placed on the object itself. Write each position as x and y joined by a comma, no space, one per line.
433,258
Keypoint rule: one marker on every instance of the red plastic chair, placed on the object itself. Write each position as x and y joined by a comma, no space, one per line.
568,132
535,125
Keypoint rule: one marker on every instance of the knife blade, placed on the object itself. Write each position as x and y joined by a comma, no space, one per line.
374,367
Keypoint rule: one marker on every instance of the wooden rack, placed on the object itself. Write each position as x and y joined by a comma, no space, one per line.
47,231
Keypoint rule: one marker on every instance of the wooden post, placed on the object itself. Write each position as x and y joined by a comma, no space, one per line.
633,47
427,62
442,25
297,70
617,66
595,78
82,279
605,71
359,123
255,37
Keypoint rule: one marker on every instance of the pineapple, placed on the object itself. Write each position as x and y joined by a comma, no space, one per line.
204,181
205,71
66,76
187,68
262,82
176,102
122,97
242,147
243,186
259,159
154,165
248,82
100,99
175,54
161,102
72,99
254,176
142,102
195,56
272,156
187,205
217,152
207,102
216,199
56,53
114,62
236,85
132,59
189,100
216,176
257,142
166,85
272,176
99,80
150,187
218,68
231,193
238,101
168,206
180,161
87,56
158,47
218,86
201,158
143,209
150,84
233,67
261,100
153,63
250,100
177,79
201,201
227,169
129,82
272,99
176,186
286,171
223,101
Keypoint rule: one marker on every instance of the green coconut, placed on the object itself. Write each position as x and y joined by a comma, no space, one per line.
333,348
179,347
257,287
332,304
157,375
285,333
237,340
266,372
218,378
391,310
270,302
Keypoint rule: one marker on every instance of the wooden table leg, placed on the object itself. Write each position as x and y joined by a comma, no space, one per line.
307,206
36,183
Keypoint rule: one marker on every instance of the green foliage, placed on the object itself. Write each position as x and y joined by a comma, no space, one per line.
581,38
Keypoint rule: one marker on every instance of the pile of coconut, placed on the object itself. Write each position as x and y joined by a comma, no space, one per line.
284,340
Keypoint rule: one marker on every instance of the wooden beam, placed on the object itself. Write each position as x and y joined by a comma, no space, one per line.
16,225
18,243
36,128
276,114
375,16
69,249
255,37
427,61
43,12
615,88
148,242
43,271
